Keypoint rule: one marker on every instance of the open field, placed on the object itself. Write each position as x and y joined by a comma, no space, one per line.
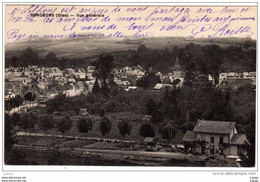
82,48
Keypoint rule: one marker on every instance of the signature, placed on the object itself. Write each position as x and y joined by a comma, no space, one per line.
219,31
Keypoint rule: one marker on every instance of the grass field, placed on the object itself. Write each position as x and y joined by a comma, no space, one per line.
81,48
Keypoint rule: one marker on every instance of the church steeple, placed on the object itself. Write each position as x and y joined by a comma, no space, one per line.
177,66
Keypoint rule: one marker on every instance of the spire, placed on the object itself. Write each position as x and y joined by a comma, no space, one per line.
177,66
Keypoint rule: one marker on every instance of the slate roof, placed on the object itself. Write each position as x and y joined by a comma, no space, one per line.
238,139
220,127
190,136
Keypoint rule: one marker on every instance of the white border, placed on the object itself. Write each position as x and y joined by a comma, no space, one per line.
134,169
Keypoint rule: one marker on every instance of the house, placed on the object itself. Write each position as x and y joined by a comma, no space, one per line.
89,85
90,70
71,80
147,118
52,93
215,137
151,143
118,82
9,95
130,88
80,74
126,83
83,112
13,87
53,71
80,85
160,86
68,72
71,90
30,73
23,79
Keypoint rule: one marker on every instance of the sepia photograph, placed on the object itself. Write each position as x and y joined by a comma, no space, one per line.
130,85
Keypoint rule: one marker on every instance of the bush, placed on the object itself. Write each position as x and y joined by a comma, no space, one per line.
112,106
46,123
124,128
64,125
27,122
147,130
15,119
105,126
84,125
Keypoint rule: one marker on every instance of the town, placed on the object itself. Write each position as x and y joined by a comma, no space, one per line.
129,115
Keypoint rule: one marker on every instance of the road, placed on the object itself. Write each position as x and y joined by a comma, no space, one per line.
155,154
22,133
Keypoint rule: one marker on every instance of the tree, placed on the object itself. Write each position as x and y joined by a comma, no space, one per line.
13,102
147,130
105,125
84,125
148,81
46,123
27,122
77,109
29,97
29,57
169,107
15,119
103,68
124,128
96,88
18,100
243,104
167,131
51,57
151,106
248,159
190,75
8,132
111,106
64,125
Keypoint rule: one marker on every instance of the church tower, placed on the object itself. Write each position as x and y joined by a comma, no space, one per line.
177,69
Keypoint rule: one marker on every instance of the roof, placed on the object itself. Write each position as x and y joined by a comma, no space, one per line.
147,117
12,85
158,86
64,87
178,138
238,139
221,127
53,91
149,139
118,82
252,73
177,66
190,136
